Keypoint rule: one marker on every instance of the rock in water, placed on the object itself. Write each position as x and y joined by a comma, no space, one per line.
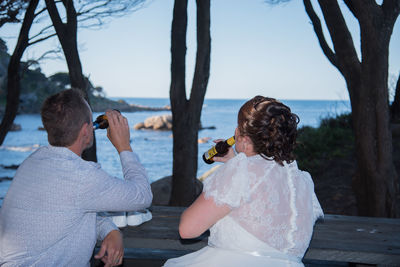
162,188
138,126
15,127
162,122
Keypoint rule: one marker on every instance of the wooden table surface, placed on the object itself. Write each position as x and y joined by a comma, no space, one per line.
336,238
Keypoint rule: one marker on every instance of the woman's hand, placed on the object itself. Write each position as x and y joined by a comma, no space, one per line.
230,154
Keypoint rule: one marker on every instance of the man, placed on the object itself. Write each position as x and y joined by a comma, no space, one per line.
49,215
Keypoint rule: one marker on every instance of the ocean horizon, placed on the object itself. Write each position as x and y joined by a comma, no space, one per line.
154,147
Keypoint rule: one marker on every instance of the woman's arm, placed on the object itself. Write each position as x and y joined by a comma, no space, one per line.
200,216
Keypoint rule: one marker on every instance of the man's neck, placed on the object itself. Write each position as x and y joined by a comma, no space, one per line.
76,149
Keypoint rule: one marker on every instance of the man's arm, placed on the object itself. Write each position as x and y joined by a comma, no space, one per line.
112,249
104,226
118,131
101,192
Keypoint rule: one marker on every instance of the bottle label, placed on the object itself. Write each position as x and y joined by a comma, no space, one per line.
210,153
231,141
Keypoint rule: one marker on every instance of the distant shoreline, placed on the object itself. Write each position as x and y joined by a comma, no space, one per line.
98,104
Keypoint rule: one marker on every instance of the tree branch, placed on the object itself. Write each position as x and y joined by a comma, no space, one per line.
347,59
363,10
107,9
202,68
55,17
316,22
42,31
349,4
82,11
13,79
42,39
56,52
397,89
71,15
391,8
41,11
10,10
178,54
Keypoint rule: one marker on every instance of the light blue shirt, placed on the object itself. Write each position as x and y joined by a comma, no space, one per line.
49,215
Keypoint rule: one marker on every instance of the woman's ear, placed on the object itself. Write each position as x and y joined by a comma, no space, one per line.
248,144
247,140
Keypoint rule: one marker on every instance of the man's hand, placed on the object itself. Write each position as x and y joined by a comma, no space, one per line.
112,249
118,131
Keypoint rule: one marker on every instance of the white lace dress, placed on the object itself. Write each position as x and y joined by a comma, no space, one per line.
274,209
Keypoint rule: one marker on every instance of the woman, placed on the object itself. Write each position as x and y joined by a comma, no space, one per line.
259,206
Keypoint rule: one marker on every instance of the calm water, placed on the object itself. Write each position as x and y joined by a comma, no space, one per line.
154,147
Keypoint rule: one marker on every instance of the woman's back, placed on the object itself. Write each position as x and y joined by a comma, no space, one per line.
274,203
260,208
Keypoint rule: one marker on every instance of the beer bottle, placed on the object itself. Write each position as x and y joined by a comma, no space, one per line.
220,149
101,121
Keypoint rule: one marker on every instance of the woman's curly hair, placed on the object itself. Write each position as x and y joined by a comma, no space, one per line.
271,126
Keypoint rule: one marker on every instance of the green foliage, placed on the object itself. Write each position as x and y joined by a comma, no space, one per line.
333,139
2,101
4,59
3,46
35,88
61,79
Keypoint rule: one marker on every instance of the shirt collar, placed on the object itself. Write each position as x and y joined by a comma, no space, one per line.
62,151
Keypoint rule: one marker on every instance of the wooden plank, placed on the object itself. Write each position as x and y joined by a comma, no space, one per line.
154,254
356,239
161,232
164,225
336,238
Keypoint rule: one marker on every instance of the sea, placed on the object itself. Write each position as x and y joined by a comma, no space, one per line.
153,147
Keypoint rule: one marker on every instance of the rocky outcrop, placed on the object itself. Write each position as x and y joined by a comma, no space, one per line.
15,127
203,140
162,122
162,188
100,104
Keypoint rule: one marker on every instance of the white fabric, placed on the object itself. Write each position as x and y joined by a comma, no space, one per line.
274,209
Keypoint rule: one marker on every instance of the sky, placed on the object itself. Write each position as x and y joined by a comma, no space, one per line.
256,49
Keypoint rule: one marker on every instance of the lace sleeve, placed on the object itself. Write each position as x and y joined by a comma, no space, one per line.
230,183
317,210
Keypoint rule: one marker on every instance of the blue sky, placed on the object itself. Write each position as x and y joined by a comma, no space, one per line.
256,49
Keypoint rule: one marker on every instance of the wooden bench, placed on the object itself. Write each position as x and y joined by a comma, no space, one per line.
336,239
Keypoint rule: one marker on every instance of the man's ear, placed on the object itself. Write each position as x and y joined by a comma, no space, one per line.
87,129
84,131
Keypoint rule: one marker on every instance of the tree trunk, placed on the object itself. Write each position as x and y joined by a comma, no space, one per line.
186,113
395,107
375,183
67,34
13,74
